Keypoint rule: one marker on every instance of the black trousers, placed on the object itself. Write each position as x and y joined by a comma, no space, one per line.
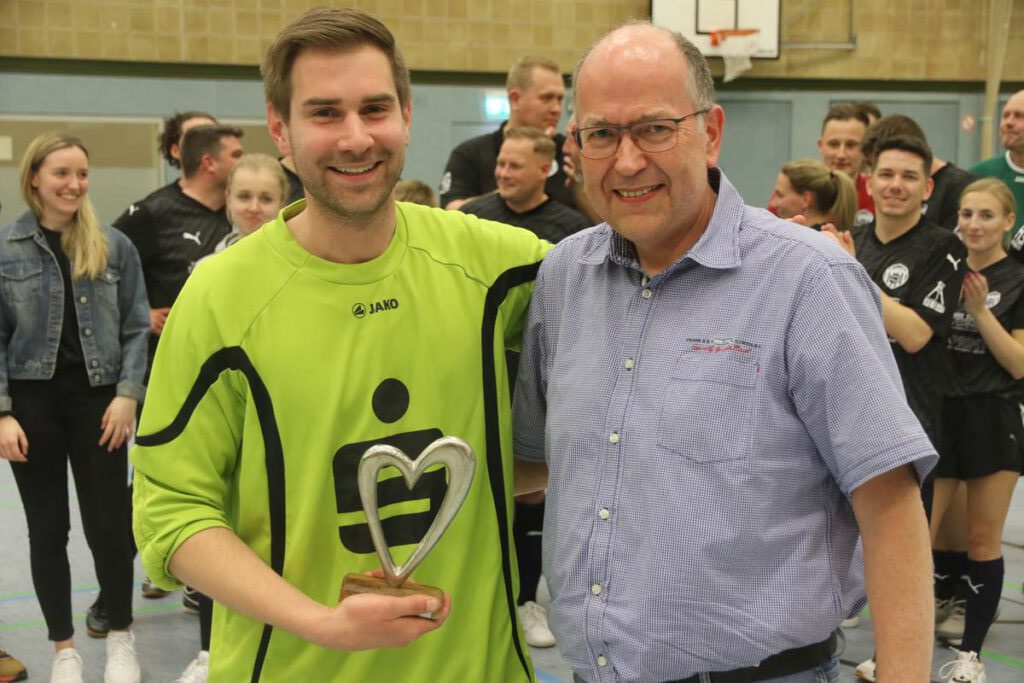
61,419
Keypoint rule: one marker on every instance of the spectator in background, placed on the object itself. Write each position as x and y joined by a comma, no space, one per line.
170,138
811,189
1009,166
73,326
295,191
948,180
535,94
521,199
840,145
981,424
415,191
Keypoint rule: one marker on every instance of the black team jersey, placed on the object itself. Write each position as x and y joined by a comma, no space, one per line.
922,269
171,231
470,170
550,221
975,370
943,206
295,191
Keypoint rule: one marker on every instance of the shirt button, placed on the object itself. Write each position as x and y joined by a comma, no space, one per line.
628,364
83,299
95,363
602,660
614,437
96,378
596,589
87,332
604,514
646,293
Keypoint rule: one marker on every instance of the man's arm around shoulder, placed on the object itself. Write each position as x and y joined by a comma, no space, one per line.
898,572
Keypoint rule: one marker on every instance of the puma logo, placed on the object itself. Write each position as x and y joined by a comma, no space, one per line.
193,236
954,261
133,209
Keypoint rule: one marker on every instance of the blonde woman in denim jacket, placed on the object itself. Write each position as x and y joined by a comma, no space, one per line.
73,326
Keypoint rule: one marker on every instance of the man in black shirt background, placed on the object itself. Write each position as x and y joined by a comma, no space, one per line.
535,94
919,268
178,224
520,200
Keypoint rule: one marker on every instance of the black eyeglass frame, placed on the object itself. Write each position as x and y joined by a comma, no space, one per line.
628,128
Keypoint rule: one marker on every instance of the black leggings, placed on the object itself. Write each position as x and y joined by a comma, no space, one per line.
61,419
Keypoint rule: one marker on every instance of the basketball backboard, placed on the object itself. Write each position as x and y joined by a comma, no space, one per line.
701,20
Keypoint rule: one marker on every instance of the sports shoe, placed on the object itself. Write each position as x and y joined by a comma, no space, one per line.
852,622
951,629
152,591
122,664
11,669
865,671
964,669
67,666
97,624
943,608
535,625
197,669
190,599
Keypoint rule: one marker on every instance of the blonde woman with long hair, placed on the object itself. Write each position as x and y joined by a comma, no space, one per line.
73,327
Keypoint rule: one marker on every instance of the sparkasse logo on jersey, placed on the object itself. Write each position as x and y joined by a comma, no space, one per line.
362,310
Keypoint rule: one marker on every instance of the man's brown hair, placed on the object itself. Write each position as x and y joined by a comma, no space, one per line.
520,76
331,29
542,144
845,112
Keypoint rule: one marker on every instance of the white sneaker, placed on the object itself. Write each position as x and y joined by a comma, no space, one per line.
943,608
67,666
964,669
865,671
122,664
852,622
535,625
197,670
951,629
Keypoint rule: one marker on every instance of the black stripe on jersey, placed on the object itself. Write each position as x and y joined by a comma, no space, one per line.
235,358
496,295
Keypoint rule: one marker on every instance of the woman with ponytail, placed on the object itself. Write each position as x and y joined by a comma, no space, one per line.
811,189
73,327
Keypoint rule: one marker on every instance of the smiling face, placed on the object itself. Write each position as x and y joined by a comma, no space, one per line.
660,201
899,184
347,132
520,173
983,222
254,198
61,184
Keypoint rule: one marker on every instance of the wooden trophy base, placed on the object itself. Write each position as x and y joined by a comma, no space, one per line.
354,584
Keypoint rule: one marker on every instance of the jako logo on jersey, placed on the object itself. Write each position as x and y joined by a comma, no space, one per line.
896,275
936,300
362,310
992,299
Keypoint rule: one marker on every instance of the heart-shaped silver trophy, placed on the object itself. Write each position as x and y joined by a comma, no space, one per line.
453,453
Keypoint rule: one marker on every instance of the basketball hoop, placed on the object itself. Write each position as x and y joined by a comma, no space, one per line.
736,46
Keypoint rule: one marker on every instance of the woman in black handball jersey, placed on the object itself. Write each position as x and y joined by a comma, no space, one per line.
982,431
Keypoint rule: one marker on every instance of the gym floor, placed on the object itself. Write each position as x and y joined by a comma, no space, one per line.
167,638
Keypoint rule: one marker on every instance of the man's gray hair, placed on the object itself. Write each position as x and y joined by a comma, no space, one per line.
700,84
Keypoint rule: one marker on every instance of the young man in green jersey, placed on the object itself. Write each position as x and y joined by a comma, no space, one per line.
349,321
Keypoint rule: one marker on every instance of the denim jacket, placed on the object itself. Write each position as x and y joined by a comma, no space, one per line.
113,313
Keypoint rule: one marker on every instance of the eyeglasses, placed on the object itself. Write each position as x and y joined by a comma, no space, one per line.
656,135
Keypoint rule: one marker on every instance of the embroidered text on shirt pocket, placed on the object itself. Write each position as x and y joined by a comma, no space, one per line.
709,406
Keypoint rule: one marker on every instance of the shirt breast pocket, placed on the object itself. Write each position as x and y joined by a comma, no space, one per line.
709,406
21,281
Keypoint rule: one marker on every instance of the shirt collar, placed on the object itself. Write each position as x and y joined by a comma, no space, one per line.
27,225
717,248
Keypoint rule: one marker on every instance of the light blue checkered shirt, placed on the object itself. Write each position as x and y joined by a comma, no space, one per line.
704,431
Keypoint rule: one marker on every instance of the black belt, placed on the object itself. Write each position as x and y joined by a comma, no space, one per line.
784,663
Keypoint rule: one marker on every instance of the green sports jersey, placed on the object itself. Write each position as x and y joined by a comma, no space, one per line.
276,371
1002,167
